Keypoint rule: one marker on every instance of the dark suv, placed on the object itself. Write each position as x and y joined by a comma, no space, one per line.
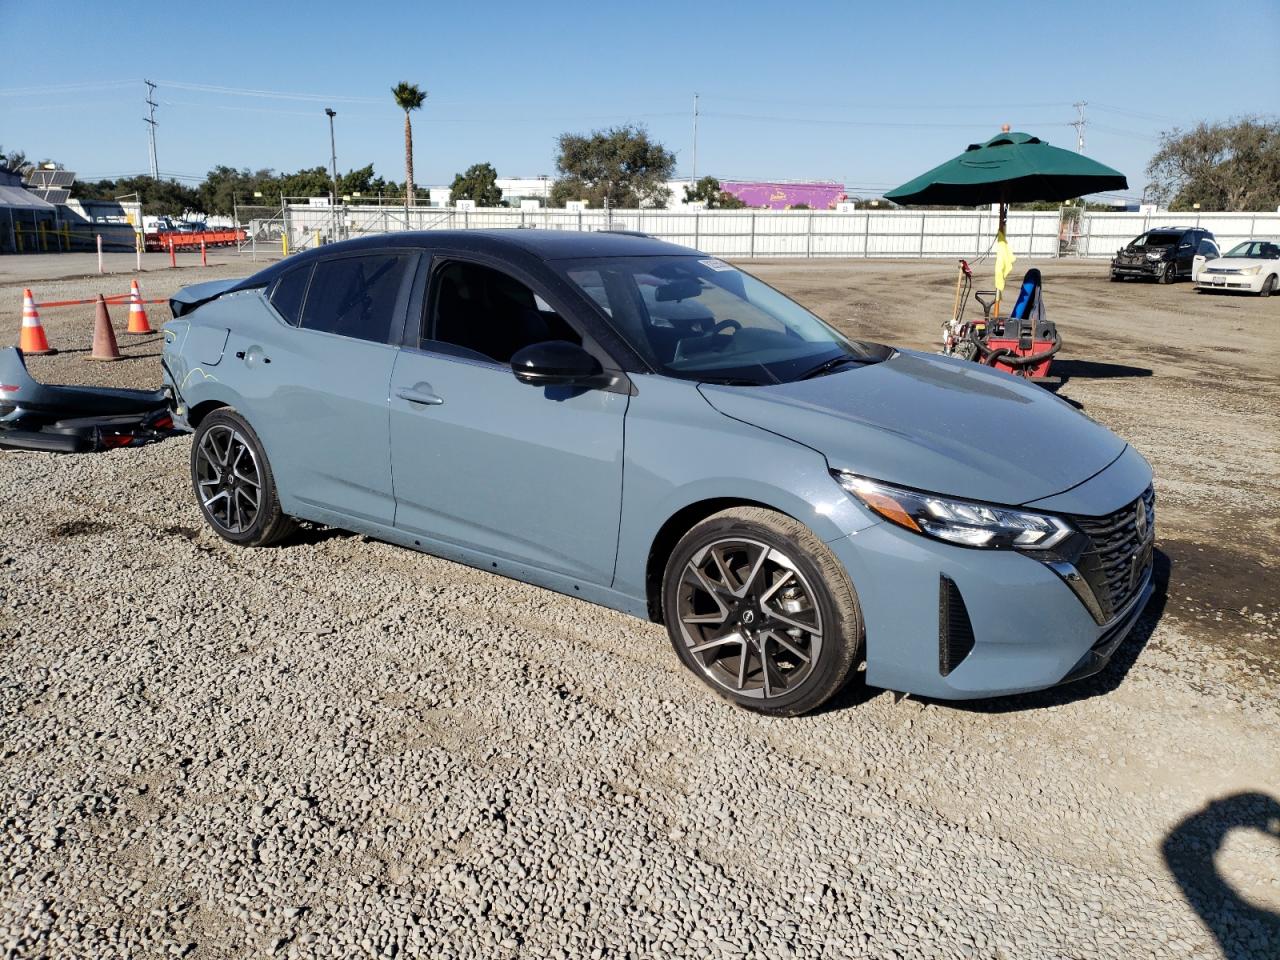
1163,253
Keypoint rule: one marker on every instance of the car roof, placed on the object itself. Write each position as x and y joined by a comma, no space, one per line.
515,244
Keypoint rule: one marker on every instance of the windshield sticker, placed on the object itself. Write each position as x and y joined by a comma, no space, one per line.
715,264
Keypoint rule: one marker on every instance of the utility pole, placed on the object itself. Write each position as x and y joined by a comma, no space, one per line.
695,137
1079,124
151,121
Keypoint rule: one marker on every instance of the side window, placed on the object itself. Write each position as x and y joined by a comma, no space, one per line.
287,294
1208,248
485,314
355,296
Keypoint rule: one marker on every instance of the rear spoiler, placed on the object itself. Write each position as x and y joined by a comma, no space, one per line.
188,298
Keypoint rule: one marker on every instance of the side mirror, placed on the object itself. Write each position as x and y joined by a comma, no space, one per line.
556,363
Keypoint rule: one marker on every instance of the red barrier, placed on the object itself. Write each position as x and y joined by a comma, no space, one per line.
213,238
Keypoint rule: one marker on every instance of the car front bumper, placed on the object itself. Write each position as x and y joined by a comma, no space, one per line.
1145,268
1030,629
1231,281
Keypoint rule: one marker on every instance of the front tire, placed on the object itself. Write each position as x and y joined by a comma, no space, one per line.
1268,286
1169,273
762,611
233,482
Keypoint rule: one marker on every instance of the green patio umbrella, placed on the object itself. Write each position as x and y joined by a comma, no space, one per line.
1009,168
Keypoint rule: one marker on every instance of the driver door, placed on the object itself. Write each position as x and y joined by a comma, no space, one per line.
483,462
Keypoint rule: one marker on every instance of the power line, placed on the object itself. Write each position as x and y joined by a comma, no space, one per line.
64,87
833,121
267,94
885,105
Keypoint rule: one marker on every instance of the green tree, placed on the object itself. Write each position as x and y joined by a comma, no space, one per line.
1233,165
621,166
707,191
158,197
15,160
479,182
408,98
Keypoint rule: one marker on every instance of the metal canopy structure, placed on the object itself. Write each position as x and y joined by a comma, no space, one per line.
18,198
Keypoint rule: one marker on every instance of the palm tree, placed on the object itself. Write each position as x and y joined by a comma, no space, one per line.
408,98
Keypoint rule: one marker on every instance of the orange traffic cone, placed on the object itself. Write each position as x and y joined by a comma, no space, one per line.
137,316
104,338
32,340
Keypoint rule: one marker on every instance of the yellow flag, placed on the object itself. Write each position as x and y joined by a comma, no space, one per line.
1004,260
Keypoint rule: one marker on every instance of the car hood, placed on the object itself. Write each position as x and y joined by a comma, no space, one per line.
1239,263
1132,251
933,423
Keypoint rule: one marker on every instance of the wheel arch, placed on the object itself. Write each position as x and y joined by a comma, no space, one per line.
675,527
202,410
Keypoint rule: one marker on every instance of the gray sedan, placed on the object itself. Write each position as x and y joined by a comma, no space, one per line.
646,427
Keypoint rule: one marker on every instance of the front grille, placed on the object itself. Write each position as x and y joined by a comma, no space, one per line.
1116,562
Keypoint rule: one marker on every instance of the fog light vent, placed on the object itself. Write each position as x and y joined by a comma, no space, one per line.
955,631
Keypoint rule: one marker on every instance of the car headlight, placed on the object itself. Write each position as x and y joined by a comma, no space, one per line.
1155,255
957,521
1251,271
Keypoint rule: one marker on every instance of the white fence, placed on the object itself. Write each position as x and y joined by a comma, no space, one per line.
794,233
1102,234
726,233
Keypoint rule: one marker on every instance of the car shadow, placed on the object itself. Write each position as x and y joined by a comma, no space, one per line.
1096,370
1103,682
312,534
1242,929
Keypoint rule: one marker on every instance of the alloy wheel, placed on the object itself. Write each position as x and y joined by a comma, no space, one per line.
750,618
228,478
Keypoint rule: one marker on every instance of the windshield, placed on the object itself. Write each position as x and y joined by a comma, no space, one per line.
698,318
1256,250
1154,239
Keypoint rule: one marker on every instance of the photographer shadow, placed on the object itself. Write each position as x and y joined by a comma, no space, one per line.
1242,929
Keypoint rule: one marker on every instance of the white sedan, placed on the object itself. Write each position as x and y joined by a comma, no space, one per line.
1252,267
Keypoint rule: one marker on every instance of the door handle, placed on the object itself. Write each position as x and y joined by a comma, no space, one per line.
420,394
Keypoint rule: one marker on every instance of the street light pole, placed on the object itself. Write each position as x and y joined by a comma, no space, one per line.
333,160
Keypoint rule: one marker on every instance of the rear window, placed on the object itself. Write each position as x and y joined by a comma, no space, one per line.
287,294
356,296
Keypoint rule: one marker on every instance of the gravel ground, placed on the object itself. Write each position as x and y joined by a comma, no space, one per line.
340,748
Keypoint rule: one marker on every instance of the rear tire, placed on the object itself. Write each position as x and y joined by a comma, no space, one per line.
762,611
233,483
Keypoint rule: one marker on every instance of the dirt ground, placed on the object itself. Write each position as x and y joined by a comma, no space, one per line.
208,751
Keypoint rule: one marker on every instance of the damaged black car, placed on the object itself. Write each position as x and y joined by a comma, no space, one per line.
1165,254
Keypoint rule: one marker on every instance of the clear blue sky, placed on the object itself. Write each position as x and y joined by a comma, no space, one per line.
869,94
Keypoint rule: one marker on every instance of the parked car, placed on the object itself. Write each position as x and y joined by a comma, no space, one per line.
1252,266
646,427
1164,254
